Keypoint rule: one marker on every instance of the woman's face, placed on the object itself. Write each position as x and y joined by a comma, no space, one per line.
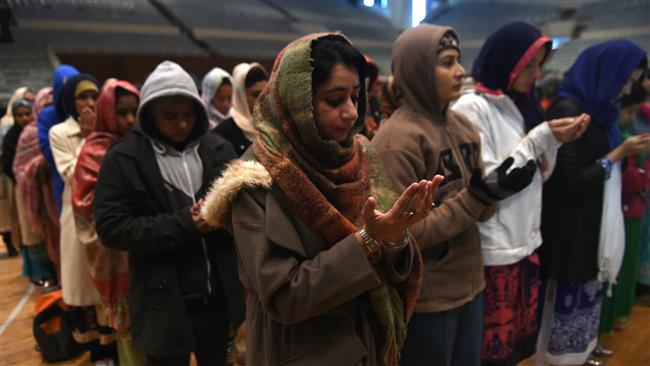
628,113
335,103
449,74
222,99
86,99
23,115
174,117
125,108
524,82
635,77
252,92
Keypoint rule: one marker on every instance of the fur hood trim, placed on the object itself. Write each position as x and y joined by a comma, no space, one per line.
238,175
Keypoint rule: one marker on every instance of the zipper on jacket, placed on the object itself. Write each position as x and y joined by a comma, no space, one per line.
205,249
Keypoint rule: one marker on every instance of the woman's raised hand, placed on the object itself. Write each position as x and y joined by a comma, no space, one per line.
569,128
87,119
636,145
413,205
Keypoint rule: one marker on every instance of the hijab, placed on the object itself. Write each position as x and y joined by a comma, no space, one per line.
70,92
27,148
503,57
8,118
209,87
596,79
241,113
40,100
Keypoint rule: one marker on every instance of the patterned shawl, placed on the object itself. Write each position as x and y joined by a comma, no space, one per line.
108,268
35,184
326,182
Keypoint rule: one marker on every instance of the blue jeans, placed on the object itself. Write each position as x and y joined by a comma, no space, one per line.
447,338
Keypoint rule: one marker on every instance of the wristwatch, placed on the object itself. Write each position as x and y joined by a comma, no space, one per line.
370,246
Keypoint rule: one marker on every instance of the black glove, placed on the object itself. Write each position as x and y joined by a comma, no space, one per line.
499,185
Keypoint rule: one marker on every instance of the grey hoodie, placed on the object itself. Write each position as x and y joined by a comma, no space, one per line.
180,168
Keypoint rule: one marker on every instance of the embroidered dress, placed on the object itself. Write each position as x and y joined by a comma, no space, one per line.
510,319
511,123
570,321
577,223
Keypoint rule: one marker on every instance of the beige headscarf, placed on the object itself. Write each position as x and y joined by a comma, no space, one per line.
242,115
8,118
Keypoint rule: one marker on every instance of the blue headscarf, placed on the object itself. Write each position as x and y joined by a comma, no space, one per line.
596,78
50,116
501,60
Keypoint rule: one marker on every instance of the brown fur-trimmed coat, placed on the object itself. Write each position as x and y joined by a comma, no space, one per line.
309,304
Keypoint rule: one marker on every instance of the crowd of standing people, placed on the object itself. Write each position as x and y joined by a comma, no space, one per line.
318,214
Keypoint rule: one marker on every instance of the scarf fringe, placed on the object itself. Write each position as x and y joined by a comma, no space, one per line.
115,314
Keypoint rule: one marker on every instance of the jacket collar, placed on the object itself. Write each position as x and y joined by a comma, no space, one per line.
71,127
137,146
504,102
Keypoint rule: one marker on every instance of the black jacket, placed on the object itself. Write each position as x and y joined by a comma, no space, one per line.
9,145
133,213
573,203
229,130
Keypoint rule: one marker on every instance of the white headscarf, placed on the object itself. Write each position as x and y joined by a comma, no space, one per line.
8,119
242,115
211,83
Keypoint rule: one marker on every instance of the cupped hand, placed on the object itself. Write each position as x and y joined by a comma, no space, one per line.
569,128
636,145
201,225
413,205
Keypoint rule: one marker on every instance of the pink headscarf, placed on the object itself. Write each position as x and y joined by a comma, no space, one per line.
40,101
34,182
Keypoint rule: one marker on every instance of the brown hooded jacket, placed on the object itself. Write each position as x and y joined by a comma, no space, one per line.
419,141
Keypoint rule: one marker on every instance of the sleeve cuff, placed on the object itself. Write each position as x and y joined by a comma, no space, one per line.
544,139
399,268
606,164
